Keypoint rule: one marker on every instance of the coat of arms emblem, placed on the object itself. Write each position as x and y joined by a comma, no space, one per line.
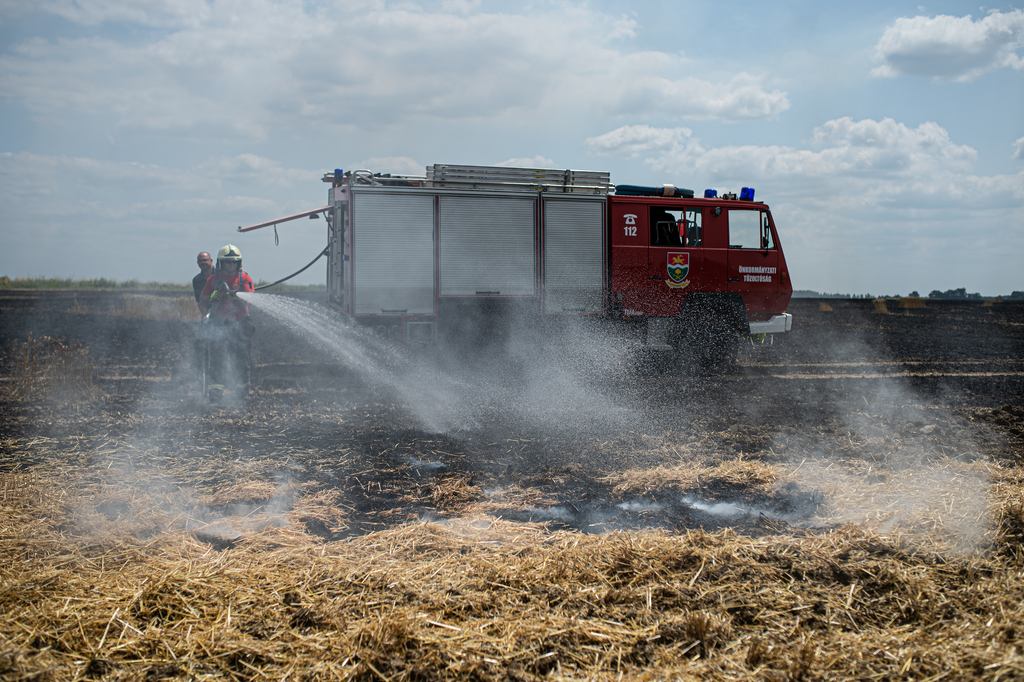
678,270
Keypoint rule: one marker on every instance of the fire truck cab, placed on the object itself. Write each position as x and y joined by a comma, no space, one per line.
705,268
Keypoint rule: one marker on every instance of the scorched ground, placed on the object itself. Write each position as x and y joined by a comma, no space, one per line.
849,507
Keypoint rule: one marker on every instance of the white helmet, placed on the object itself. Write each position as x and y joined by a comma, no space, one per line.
229,254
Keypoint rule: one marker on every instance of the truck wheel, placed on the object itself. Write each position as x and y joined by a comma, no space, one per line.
719,348
706,347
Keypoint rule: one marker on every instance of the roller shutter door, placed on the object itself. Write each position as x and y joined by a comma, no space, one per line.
488,246
393,254
573,256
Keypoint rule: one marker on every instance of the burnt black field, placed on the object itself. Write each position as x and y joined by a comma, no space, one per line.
944,380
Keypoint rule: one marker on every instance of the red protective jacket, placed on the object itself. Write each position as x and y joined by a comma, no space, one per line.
228,307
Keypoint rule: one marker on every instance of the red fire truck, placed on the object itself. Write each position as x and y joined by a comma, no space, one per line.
462,250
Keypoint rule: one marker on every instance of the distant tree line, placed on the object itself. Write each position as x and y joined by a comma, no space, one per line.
950,294
807,293
132,284
97,283
955,294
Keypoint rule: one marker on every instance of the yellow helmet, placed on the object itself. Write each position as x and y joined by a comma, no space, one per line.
229,253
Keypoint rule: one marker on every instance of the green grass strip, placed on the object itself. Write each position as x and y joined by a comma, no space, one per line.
129,284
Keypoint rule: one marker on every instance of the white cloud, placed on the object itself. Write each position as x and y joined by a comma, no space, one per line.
640,93
460,6
93,12
145,12
865,163
535,162
400,165
951,48
255,170
240,70
404,165
889,147
27,176
628,142
1018,149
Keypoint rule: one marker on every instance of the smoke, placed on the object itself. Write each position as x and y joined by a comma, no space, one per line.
727,509
884,455
941,501
542,377
565,378
867,443
564,405
228,522
424,466
435,398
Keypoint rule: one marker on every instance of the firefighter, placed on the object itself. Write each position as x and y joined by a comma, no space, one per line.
205,263
228,328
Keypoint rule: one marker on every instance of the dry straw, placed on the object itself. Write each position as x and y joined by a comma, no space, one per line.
108,581
52,368
880,306
912,302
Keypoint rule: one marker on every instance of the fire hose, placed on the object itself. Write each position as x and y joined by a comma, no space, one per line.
299,272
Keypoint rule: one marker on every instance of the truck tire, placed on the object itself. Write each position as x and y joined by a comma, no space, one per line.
718,345
708,334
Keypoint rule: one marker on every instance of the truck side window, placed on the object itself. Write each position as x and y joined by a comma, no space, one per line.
664,228
675,228
766,232
690,227
749,230
744,229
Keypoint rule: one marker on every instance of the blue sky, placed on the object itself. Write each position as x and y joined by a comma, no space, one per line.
888,138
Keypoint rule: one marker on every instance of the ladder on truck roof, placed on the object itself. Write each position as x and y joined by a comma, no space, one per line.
535,179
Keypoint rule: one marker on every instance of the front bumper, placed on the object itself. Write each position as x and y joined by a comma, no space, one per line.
776,325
